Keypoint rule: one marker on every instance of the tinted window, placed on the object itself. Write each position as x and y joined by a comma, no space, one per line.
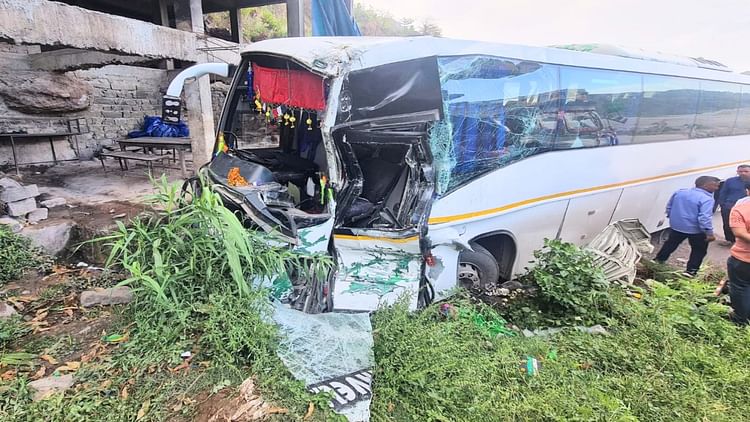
600,107
717,109
668,108
742,127
496,111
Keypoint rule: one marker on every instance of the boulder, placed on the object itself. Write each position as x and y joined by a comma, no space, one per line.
53,202
113,296
14,225
6,311
37,92
51,237
18,194
7,182
37,215
47,386
21,208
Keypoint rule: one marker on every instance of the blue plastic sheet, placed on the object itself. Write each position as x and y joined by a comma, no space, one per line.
154,126
332,18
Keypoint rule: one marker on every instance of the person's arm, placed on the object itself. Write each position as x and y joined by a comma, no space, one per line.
738,225
705,218
669,203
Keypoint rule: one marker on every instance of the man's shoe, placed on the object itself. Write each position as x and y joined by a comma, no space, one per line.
688,274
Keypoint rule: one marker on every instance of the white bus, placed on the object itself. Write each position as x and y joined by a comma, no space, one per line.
421,163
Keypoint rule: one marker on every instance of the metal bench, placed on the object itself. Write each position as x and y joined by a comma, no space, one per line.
124,156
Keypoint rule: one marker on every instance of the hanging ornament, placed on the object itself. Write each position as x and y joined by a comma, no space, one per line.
292,119
286,119
309,123
268,116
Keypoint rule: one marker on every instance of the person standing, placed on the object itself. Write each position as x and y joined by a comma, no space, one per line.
690,212
731,191
738,264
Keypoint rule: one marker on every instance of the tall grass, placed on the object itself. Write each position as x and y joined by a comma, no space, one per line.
190,247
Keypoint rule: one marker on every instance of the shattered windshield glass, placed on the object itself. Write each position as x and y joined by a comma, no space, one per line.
496,111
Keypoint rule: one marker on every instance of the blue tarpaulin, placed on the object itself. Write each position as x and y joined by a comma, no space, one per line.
154,126
332,18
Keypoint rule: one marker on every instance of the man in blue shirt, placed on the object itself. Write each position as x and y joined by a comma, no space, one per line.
690,212
731,191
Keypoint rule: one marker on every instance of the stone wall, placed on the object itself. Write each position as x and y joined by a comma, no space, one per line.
120,97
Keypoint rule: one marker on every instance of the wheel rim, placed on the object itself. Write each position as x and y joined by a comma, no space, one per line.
469,275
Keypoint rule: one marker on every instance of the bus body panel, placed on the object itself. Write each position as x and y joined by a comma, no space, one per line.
568,193
646,174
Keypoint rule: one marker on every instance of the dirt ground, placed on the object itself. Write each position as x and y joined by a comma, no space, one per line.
85,182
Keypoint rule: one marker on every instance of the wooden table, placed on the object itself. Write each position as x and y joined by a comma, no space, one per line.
178,144
18,136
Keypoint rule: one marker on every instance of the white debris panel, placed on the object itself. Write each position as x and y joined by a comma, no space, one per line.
619,247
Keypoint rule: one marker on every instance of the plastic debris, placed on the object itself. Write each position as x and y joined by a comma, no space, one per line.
619,247
532,366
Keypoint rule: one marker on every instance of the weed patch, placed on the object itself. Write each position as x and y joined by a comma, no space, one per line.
673,356
18,255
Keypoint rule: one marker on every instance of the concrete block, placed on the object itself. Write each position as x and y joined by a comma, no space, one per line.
53,202
21,208
112,114
52,238
8,183
37,215
7,311
113,296
48,386
14,225
17,194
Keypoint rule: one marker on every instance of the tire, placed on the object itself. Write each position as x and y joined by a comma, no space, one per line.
477,268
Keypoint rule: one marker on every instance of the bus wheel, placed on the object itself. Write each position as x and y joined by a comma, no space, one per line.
477,268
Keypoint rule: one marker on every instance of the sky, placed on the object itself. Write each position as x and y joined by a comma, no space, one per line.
716,29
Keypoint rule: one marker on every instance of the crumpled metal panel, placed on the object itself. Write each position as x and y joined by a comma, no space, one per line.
330,352
619,247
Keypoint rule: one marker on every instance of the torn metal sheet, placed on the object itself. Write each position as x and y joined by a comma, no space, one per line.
370,275
330,352
619,247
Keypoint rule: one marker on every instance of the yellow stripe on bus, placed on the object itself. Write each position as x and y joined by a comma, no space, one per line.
450,218
383,239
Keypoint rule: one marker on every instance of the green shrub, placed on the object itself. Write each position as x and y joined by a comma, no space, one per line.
571,285
18,255
11,329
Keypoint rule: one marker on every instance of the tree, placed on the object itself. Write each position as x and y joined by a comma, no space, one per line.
430,28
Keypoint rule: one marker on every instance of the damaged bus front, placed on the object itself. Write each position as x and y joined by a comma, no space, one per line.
334,161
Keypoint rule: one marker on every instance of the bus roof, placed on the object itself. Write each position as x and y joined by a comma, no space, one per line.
330,55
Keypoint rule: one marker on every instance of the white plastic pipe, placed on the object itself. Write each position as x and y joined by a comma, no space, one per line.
195,71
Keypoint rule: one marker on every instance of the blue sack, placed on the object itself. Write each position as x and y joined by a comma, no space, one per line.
154,126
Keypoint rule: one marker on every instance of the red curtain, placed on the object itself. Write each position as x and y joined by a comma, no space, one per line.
293,88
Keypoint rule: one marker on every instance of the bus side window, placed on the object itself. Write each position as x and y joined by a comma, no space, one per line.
668,108
742,126
717,109
600,107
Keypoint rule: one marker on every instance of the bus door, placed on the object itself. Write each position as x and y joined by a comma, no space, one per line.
381,215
